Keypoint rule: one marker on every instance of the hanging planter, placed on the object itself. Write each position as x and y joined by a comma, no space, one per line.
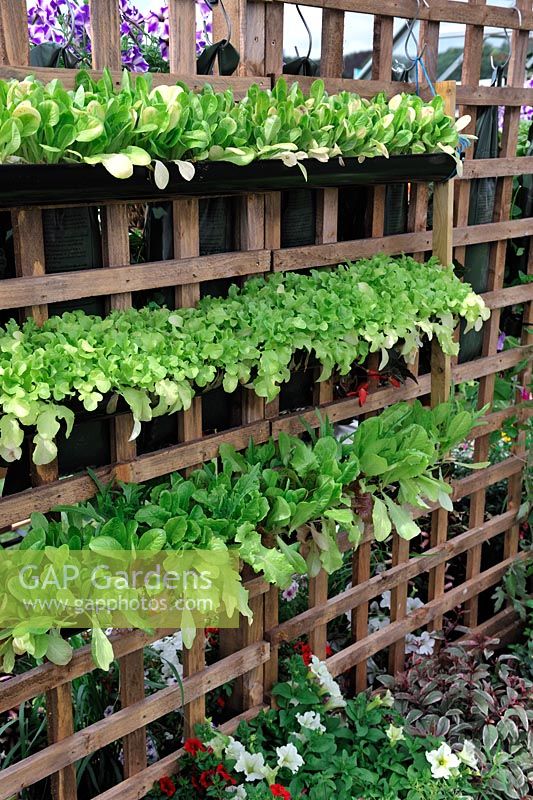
50,184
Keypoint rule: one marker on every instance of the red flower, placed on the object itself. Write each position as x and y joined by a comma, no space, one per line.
280,791
362,394
221,702
167,787
193,747
206,778
224,775
304,650
329,650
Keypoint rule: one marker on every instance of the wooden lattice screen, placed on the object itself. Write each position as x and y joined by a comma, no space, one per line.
250,654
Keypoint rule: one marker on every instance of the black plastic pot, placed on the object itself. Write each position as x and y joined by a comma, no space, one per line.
42,184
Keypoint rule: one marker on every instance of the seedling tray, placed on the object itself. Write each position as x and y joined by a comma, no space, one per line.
61,184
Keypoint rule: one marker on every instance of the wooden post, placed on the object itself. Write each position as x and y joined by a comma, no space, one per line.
360,574
131,691
441,363
187,244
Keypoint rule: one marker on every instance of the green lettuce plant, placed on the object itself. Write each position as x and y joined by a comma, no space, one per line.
281,505
156,360
137,124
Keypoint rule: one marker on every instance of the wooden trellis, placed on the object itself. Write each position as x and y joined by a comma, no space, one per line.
249,655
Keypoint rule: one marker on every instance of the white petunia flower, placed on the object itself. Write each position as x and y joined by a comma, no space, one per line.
252,764
387,699
311,721
394,734
289,757
413,603
236,792
168,650
468,754
234,749
422,645
442,761
217,745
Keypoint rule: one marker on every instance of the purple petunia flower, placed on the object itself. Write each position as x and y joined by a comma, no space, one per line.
290,593
59,21
501,342
134,59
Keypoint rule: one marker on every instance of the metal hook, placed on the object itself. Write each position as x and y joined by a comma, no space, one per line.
307,28
509,41
411,35
227,19
502,66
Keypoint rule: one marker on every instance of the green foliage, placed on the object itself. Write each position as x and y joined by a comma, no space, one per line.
515,590
475,695
157,359
281,504
361,751
122,127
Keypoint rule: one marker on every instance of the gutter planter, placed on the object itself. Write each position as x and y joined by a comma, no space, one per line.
49,184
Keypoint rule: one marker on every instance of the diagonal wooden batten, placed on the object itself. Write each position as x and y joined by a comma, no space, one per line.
497,262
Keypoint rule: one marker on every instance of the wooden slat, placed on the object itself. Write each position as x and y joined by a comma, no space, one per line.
16,292
349,407
520,446
511,295
494,167
362,591
136,788
470,75
106,45
318,595
14,39
99,734
466,95
105,34
359,621
132,691
42,289
28,242
331,65
182,36
20,506
116,251
357,653
252,237
60,726
68,78
249,691
437,11
271,618
323,255
236,11
497,262
331,51
254,55
273,39
193,664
